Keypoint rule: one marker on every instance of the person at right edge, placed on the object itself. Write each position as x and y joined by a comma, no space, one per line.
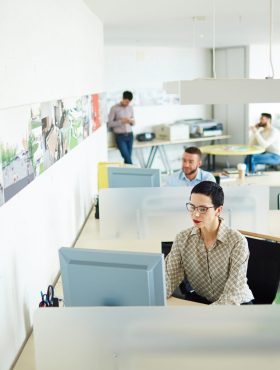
210,255
121,118
268,137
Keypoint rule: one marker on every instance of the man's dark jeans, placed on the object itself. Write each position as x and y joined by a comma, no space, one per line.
124,143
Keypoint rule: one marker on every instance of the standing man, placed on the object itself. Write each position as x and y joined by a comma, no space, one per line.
190,174
121,118
268,137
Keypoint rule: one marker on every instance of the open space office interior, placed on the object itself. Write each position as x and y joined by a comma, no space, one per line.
139,184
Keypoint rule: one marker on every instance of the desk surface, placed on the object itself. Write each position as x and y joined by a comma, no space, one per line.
156,142
231,149
266,178
172,301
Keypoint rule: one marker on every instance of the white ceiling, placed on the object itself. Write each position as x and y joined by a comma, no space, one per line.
171,22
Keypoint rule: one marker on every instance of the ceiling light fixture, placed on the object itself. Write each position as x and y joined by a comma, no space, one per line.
223,91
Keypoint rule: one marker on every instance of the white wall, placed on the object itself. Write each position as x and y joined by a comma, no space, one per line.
231,62
35,223
136,67
49,50
131,68
259,67
147,67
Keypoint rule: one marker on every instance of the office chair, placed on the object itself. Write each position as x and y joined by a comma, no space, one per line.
263,272
184,286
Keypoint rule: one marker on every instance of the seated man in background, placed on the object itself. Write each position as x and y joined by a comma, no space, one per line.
268,137
190,174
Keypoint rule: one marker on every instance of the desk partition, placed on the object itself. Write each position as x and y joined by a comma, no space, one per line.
143,212
246,207
160,213
125,338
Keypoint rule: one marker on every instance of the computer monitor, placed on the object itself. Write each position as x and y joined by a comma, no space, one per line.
112,278
126,177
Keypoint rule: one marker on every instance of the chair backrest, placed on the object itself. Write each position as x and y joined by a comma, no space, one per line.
263,269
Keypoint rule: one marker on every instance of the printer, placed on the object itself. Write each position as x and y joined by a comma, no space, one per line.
203,128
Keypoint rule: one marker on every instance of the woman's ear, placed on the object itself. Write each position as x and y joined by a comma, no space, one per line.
219,210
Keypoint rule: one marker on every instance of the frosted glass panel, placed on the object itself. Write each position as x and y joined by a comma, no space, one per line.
151,338
139,213
246,207
160,213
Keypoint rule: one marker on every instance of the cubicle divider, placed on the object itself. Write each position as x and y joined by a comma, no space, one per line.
157,338
160,213
246,207
143,212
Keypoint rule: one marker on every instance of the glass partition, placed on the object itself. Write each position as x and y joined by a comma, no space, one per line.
152,338
160,213
141,213
246,207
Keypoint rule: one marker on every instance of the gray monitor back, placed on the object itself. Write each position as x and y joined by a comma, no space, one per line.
112,278
125,177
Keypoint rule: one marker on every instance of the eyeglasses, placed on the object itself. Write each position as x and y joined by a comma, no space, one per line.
201,209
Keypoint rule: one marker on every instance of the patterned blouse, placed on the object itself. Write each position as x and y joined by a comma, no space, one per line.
217,273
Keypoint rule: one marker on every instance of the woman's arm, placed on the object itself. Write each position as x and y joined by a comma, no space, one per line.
235,286
174,270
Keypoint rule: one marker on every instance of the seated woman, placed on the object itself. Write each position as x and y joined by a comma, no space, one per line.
212,256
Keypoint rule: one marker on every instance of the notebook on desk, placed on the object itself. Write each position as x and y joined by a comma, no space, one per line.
231,170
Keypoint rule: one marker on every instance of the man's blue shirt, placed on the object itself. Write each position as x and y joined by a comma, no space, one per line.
180,179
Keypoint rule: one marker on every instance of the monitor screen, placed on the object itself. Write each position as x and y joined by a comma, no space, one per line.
126,177
112,278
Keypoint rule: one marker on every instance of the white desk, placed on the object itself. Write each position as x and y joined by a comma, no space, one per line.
159,145
270,179
172,301
229,150
267,178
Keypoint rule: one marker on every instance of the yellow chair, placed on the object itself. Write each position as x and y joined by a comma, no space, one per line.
103,172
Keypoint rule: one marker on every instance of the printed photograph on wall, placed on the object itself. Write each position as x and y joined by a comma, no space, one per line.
76,118
65,123
103,108
1,182
33,142
98,110
16,162
34,137
95,112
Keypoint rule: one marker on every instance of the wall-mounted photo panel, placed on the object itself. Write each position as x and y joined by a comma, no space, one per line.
16,163
34,137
